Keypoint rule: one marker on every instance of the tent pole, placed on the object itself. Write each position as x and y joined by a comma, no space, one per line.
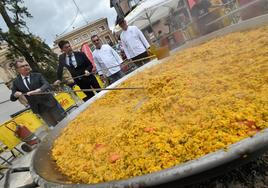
188,10
151,25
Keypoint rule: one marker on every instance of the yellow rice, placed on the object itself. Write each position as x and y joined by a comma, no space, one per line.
200,100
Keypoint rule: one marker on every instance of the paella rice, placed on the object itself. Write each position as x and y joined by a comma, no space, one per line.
200,100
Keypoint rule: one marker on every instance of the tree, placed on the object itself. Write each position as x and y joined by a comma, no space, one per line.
22,42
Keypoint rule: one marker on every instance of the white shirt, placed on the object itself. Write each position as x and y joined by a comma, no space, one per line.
73,60
24,81
133,41
107,57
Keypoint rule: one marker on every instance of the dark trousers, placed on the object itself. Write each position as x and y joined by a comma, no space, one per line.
116,76
88,82
140,56
203,21
51,115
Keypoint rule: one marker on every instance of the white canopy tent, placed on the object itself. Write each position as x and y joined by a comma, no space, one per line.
150,11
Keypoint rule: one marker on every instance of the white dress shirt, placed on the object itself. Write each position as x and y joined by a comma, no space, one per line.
24,81
107,57
73,60
133,41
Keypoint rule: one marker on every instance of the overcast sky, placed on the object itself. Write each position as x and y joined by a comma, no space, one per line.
51,17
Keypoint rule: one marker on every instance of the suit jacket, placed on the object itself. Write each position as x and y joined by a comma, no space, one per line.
35,101
83,63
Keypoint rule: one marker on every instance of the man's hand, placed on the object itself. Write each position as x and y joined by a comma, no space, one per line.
124,67
94,70
17,94
149,51
71,81
33,92
87,73
103,78
57,82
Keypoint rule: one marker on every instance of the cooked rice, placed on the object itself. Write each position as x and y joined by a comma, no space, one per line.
200,100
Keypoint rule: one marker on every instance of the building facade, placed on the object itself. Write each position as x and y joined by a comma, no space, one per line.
7,72
83,35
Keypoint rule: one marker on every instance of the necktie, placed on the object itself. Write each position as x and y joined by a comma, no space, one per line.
27,82
71,61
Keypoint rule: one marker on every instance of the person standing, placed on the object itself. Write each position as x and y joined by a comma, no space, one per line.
107,61
77,64
133,42
200,14
200,8
32,84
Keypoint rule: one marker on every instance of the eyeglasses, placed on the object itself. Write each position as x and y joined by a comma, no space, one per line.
67,46
96,40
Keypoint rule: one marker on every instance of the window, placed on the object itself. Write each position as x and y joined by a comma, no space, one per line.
102,28
93,32
76,40
85,36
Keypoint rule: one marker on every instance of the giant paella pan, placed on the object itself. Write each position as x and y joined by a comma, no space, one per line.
168,148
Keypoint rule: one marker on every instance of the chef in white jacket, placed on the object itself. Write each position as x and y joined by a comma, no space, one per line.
107,60
133,42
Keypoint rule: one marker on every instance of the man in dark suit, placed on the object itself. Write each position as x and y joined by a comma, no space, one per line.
77,64
31,84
